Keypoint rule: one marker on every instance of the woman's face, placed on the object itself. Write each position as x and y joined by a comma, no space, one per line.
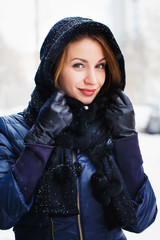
83,73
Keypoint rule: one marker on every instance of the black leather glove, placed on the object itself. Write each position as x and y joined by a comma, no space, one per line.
53,117
120,115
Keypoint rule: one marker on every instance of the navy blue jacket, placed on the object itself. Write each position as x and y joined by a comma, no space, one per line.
21,166
89,224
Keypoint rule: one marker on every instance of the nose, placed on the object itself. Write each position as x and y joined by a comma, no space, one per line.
90,77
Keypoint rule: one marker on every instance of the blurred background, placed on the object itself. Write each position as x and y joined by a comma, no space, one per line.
136,26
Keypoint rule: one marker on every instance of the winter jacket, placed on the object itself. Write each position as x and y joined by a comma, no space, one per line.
14,211
17,184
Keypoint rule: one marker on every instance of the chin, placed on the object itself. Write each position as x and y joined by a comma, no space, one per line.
86,101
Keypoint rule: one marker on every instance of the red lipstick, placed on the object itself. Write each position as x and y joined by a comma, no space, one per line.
87,92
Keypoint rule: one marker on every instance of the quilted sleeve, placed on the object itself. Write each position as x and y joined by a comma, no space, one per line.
129,159
12,203
146,207
20,172
130,163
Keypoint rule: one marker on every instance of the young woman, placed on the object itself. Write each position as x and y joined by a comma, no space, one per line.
70,164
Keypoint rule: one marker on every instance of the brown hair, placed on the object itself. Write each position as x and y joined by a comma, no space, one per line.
113,74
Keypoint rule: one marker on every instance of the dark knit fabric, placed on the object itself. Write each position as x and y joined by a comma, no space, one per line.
58,37
56,194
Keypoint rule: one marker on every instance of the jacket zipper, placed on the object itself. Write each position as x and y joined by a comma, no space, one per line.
79,217
52,228
78,205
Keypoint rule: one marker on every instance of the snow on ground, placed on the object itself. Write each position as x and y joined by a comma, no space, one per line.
6,235
150,148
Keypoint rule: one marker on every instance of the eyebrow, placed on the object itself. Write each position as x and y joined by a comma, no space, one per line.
84,60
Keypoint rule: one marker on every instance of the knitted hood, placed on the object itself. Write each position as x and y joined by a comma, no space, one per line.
56,40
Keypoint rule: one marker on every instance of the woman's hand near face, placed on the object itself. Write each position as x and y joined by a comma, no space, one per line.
53,117
120,115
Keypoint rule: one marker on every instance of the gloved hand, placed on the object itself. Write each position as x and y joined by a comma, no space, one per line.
120,115
53,117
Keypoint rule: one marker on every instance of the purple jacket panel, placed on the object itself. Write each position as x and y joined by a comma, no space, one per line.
130,162
29,167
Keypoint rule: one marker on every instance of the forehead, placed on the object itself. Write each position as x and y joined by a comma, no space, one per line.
85,47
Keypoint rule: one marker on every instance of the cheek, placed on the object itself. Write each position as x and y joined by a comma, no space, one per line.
102,78
66,82
63,79
62,82
73,79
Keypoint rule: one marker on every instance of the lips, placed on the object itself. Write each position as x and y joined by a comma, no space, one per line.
87,92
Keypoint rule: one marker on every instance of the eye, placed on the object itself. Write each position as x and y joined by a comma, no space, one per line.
78,65
101,66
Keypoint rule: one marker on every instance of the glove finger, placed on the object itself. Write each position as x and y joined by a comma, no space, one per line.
113,107
115,99
68,118
123,97
63,102
112,112
116,102
57,103
59,96
65,110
